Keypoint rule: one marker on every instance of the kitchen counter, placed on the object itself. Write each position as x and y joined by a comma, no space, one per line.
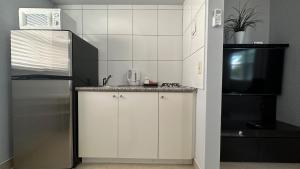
182,89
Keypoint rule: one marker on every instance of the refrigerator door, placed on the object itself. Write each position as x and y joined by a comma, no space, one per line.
41,52
42,124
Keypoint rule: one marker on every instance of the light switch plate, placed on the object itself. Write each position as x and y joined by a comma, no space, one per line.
217,18
199,68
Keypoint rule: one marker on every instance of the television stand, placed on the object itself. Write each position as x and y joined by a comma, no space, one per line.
246,144
260,125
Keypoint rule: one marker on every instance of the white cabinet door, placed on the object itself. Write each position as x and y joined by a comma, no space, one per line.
98,124
176,125
138,125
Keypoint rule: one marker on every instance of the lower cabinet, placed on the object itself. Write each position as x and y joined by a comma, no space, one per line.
98,124
137,125
176,125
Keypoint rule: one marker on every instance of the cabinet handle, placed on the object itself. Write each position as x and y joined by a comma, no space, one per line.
162,97
114,96
121,96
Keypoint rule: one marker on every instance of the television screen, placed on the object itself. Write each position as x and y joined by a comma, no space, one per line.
253,70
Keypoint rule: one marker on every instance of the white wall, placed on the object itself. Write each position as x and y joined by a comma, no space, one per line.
143,37
193,43
285,29
202,68
261,32
9,21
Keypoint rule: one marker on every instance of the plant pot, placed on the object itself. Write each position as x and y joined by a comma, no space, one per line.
239,37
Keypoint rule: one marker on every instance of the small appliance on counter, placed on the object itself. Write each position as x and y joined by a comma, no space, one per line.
149,83
133,77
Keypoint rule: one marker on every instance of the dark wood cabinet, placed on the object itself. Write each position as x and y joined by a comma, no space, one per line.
279,150
268,149
239,150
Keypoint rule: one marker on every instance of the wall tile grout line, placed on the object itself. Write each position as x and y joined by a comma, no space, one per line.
107,41
157,49
107,60
132,47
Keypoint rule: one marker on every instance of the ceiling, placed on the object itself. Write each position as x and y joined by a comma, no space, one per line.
119,2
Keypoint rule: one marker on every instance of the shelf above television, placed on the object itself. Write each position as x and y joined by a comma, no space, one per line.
255,46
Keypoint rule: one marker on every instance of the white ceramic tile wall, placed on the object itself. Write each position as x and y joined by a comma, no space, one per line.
193,43
120,22
119,47
145,47
169,47
143,37
94,21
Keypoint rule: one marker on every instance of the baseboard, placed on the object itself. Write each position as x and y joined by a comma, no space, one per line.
7,164
135,161
196,165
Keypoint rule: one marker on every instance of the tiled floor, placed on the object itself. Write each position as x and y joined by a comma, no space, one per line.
223,166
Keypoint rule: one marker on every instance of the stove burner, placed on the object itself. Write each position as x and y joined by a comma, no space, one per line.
170,85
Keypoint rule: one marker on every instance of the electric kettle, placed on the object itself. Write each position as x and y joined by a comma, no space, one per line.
133,77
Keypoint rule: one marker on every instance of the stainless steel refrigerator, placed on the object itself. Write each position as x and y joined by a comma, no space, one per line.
46,66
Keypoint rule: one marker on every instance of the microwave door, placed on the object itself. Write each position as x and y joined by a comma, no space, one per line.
41,52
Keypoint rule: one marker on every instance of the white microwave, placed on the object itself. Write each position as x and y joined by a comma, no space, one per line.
40,18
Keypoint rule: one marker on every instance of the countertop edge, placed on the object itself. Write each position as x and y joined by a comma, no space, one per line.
137,89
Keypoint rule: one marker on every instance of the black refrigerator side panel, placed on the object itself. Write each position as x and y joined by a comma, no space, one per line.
84,63
84,73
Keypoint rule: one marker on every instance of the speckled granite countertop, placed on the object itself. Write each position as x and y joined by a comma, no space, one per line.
182,89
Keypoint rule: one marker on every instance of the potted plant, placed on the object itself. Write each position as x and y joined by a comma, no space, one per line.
237,24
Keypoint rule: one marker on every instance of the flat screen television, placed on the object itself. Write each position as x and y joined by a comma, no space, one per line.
253,70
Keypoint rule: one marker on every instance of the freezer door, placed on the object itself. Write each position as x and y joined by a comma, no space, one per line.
41,52
42,125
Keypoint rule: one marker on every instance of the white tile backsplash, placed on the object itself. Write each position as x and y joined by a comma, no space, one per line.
145,37
70,6
169,6
196,5
169,22
120,22
94,21
147,69
118,70
94,6
119,6
72,20
170,48
145,22
169,71
119,47
187,14
198,38
194,45
100,42
187,42
144,47
144,7
102,71
193,70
